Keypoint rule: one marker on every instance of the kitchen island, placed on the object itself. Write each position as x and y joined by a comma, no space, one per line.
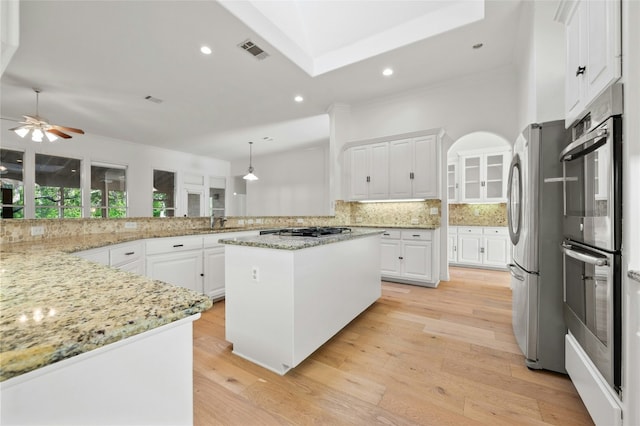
288,295
83,343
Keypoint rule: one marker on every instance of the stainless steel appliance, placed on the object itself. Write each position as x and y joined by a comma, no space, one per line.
592,171
534,212
315,231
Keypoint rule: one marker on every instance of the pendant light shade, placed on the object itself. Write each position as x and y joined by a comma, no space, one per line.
250,176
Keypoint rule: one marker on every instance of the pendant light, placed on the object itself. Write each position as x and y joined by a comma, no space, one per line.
250,175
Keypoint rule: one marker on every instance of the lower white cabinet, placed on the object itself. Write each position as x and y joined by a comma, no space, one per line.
125,256
479,246
213,259
183,269
408,256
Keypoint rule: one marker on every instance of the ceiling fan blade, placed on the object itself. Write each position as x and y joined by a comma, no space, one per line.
20,127
68,129
32,119
58,133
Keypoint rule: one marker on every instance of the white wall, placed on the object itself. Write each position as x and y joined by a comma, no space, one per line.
139,159
480,102
291,183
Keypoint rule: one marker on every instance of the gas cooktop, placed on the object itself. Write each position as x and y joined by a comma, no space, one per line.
307,232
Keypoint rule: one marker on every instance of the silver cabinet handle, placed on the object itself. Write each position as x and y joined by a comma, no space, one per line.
583,257
129,253
178,245
515,275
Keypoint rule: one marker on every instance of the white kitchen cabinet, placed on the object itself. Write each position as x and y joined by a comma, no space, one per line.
408,256
213,263
593,52
176,260
390,253
452,244
452,181
125,256
128,257
97,255
369,171
469,245
480,246
484,176
413,168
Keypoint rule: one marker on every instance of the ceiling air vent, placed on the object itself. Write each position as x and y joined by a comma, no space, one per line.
251,47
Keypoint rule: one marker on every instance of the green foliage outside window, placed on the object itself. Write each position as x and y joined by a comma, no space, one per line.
58,202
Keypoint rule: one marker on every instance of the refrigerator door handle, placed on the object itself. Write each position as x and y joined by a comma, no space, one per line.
583,257
515,274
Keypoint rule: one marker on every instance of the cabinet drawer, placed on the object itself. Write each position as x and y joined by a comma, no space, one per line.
417,235
126,253
173,244
496,231
392,234
469,230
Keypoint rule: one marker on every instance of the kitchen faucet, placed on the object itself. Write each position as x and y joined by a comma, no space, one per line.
221,219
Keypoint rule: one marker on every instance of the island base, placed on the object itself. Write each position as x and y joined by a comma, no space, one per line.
282,305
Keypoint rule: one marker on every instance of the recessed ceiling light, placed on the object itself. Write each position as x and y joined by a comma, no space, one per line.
298,98
477,45
387,72
206,50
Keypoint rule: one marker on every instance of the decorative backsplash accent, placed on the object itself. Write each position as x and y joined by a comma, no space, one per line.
346,214
478,214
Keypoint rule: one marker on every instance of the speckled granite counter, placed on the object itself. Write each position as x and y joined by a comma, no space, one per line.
634,275
54,306
281,242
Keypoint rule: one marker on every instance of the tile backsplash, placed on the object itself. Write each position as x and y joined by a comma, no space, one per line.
346,214
478,214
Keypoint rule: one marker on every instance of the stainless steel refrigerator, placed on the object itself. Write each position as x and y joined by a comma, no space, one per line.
535,213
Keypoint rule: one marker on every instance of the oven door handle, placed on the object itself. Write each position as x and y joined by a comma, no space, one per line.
583,257
513,273
591,136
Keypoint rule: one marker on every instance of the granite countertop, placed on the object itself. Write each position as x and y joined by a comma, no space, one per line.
54,306
282,242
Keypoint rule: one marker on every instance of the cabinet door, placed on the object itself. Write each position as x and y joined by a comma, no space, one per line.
603,66
390,254
573,79
379,171
416,263
452,182
359,185
496,251
136,267
183,269
425,171
494,182
452,243
214,272
471,178
469,249
400,168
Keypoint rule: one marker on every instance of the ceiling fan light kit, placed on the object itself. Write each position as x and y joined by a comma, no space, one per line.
39,127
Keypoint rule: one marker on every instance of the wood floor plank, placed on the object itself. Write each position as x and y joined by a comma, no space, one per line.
417,356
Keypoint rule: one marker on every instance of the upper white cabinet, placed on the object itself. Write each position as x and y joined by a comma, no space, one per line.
369,171
593,52
413,168
483,176
399,169
452,181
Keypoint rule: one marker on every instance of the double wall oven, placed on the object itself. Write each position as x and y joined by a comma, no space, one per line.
592,246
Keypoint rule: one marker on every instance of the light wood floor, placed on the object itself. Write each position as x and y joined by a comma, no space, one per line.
444,356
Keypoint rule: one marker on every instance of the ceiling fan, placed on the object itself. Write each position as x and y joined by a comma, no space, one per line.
39,126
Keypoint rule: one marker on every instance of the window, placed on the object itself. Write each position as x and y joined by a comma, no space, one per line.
108,191
12,183
163,193
57,191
